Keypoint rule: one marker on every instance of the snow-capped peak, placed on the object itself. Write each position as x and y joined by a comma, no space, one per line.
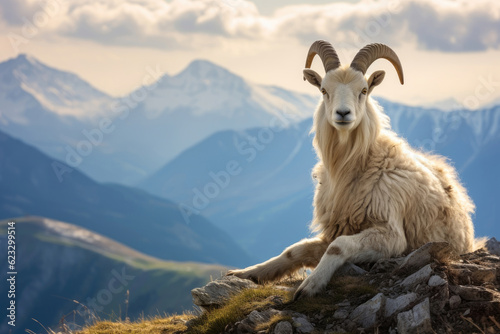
57,91
207,88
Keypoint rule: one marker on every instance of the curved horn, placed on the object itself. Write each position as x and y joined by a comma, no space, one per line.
367,55
327,54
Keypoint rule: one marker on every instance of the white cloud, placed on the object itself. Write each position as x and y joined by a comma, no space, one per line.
443,25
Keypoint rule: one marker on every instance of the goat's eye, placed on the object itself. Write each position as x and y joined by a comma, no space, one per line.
323,91
364,91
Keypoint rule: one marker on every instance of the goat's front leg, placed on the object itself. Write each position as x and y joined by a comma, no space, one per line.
305,253
369,245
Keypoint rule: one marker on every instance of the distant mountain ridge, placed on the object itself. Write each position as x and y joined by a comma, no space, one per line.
144,222
58,113
68,272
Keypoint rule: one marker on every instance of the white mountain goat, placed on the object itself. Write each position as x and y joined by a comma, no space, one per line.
376,197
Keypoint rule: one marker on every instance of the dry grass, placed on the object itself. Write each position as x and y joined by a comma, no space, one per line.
155,325
240,305
269,326
236,309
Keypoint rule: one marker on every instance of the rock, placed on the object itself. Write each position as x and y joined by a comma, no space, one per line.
418,277
467,273
341,314
474,293
493,246
386,265
424,255
408,295
350,269
417,320
283,327
436,280
398,304
454,302
216,292
255,318
366,314
440,294
302,325
461,275
484,275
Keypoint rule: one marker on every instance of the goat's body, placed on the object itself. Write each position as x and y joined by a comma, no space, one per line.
365,189
378,198
375,197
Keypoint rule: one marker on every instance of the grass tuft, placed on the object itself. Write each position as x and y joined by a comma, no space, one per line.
236,308
155,325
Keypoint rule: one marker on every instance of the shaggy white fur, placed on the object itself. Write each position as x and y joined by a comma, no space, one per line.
375,197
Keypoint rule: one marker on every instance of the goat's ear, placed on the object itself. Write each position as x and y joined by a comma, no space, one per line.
313,77
375,79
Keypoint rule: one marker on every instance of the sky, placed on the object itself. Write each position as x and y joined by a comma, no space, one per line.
449,49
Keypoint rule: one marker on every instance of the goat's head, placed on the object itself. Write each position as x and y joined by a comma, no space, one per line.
345,88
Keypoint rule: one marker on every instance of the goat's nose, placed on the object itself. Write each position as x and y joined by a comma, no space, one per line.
343,113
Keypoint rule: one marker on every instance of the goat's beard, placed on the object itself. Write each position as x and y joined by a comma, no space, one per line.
343,135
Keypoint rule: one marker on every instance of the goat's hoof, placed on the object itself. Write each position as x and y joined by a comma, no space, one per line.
309,288
243,274
297,294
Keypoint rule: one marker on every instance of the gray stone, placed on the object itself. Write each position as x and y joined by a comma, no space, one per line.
341,314
398,304
217,292
350,269
302,325
419,277
424,255
283,327
255,318
436,280
366,314
454,301
416,320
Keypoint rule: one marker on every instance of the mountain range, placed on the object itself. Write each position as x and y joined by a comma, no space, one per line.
124,139
201,166
30,186
71,275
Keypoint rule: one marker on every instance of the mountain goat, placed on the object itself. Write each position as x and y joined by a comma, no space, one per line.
375,197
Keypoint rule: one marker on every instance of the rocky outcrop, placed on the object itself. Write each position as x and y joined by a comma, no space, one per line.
217,292
430,290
